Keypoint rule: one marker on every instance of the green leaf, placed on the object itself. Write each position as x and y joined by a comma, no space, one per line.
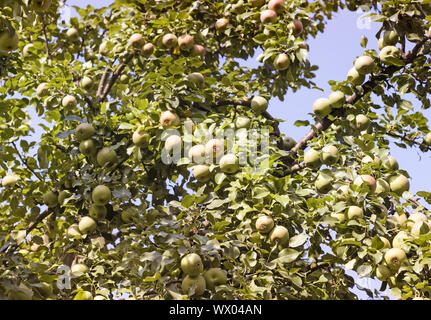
298,240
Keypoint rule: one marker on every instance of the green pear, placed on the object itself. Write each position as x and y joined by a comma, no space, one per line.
84,131
9,181
366,180
9,40
73,231
323,184
364,65
201,172
197,79
97,212
169,119
50,198
312,159
42,89
73,34
259,104
229,163
329,154
169,41
354,212
87,225
355,77
279,235
337,99
88,147
198,283
322,107
78,269
186,42
427,139
391,55
214,277
101,195
399,184
394,257
192,265
390,163
281,61
106,156
362,122
264,224
69,102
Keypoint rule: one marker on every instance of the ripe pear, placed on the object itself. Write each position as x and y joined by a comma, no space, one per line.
84,131
337,99
186,42
276,5
399,184
169,119
169,40
87,225
202,172
229,163
364,65
101,195
264,224
214,277
198,283
106,156
50,198
214,148
147,49
197,153
296,27
322,107
97,212
420,228
242,122
136,40
221,24
280,235
268,16
199,50
259,104
197,78
192,265
312,159
281,61
9,181
9,40
173,144
366,180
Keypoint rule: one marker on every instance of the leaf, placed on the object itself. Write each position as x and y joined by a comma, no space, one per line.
121,194
298,240
287,255
364,270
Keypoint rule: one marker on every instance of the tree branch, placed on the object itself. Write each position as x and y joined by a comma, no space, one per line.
114,77
24,162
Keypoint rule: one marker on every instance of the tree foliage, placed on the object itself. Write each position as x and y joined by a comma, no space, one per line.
131,240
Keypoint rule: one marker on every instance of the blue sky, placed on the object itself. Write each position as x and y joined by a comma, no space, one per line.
334,52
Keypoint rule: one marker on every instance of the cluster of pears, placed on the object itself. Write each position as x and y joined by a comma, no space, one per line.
9,38
412,226
277,234
87,146
192,266
389,53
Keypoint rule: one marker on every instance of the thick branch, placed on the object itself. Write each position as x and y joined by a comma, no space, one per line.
114,77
